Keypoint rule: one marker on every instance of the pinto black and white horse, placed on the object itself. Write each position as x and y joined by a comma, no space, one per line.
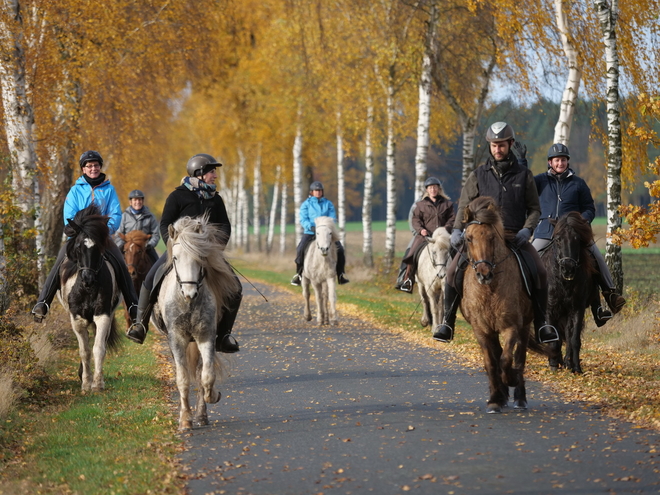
89,292
194,294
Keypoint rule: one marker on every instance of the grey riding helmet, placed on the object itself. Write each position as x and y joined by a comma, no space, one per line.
200,164
432,181
500,131
135,194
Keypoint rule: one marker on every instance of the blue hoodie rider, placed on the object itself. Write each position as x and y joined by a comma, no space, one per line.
316,205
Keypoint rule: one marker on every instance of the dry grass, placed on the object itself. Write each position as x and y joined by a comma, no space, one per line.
8,394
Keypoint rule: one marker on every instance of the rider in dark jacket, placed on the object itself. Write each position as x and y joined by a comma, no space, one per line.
512,187
195,196
562,191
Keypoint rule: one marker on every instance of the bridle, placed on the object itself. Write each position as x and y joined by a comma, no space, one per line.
491,264
135,255
432,257
94,270
196,283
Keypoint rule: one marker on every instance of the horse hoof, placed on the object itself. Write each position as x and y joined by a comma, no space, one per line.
185,426
520,405
493,409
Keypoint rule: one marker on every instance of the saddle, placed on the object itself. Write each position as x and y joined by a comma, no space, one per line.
163,270
528,270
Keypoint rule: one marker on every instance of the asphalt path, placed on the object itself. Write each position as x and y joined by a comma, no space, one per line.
357,409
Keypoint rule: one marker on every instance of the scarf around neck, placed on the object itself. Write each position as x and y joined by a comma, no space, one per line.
199,187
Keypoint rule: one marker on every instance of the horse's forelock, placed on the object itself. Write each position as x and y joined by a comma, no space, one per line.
92,224
329,223
137,237
579,225
484,210
441,238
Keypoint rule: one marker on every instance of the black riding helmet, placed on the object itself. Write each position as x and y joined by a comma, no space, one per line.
136,193
558,149
316,186
200,164
432,181
90,156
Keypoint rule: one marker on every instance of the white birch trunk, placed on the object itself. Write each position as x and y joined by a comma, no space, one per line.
18,115
243,209
283,218
569,97
367,233
273,209
4,292
608,17
424,106
256,202
297,176
233,211
390,231
341,189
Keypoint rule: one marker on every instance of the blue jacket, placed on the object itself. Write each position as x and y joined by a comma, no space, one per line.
312,208
559,195
81,194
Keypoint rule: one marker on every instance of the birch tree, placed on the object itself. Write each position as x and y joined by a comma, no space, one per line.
297,177
256,201
607,16
341,190
367,234
283,207
273,209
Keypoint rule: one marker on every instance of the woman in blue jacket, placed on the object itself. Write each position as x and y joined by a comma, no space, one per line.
91,186
561,191
316,205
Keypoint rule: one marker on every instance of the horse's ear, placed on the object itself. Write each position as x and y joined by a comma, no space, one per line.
468,216
121,236
171,231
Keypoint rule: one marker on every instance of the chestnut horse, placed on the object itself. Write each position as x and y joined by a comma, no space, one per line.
571,286
496,304
136,257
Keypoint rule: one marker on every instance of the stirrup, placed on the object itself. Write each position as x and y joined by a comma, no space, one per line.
296,280
228,345
407,286
137,332
546,333
37,316
132,314
443,333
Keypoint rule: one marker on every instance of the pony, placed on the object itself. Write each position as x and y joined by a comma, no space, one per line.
194,293
137,260
319,271
496,304
571,286
89,292
430,276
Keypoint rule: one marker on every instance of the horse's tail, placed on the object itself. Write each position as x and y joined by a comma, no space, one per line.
221,365
534,346
114,336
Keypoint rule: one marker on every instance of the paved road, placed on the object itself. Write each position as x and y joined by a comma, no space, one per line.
355,409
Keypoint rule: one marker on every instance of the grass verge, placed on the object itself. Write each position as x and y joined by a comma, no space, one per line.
121,441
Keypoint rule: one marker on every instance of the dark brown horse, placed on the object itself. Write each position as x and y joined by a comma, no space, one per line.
571,286
496,304
136,257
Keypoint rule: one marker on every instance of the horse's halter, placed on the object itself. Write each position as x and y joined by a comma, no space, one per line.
135,255
432,255
567,264
491,264
197,283
88,244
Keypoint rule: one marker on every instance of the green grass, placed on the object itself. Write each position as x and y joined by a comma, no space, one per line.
118,441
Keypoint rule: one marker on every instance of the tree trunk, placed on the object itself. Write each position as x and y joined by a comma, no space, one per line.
273,209
283,218
297,176
567,108
424,105
5,300
256,202
341,191
367,234
608,19
390,231
243,209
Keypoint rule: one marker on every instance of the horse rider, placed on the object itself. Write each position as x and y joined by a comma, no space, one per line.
403,266
512,187
196,196
91,186
137,216
316,205
433,211
562,191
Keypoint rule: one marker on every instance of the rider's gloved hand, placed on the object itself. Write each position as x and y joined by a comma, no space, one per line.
456,238
520,151
522,237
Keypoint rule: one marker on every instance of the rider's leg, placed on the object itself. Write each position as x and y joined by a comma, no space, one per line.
612,298
224,342
123,280
50,288
544,331
138,330
153,254
408,277
453,294
402,268
341,264
300,258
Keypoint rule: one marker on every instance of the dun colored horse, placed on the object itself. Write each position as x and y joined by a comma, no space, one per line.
430,276
89,292
193,296
496,304
571,286
319,271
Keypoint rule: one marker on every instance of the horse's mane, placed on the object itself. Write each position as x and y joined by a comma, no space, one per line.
137,236
441,238
330,223
202,240
484,210
92,223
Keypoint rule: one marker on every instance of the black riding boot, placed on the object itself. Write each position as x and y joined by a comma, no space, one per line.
544,331
138,330
297,278
224,342
445,332
124,281
50,288
341,264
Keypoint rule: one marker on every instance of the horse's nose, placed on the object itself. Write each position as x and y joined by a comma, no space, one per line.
189,293
324,251
485,278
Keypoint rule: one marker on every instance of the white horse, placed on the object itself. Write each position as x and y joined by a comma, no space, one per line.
192,298
319,270
430,277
